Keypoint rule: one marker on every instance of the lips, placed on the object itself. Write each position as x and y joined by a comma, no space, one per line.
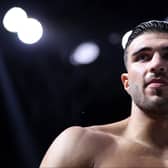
157,82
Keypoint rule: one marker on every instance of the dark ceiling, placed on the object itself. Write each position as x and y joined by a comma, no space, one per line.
42,93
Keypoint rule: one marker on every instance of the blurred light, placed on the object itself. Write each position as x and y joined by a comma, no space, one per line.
166,19
85,53
115,38
31,31
14,18
125,38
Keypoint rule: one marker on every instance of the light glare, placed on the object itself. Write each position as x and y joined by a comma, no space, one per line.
125,38
85,53
14,18
31,32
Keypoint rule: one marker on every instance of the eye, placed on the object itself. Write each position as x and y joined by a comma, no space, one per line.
143,57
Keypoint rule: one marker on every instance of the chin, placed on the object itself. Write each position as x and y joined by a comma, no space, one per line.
157,107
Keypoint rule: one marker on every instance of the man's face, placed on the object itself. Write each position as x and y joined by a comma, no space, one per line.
147,77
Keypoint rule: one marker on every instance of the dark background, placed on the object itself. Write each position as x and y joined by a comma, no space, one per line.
42,93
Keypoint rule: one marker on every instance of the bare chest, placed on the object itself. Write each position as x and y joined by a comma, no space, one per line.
130,158
132,162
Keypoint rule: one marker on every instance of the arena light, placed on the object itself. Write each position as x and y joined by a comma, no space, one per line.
85,53
14,18
31,31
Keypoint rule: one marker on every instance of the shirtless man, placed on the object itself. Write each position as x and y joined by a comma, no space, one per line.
140,141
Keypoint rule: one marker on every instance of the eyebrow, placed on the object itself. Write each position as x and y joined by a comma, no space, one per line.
141,50
148,49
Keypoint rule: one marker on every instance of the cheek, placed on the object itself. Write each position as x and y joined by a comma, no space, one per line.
135,89
135,75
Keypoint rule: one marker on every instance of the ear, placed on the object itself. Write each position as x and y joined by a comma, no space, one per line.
124,79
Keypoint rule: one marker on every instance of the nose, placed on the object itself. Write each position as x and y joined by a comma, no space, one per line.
158,64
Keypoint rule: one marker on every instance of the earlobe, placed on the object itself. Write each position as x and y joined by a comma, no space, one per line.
124,79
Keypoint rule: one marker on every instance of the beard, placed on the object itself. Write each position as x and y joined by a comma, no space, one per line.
154,104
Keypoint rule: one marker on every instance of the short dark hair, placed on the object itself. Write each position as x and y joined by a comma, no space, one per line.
149,26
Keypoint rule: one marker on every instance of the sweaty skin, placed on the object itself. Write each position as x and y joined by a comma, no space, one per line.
140,141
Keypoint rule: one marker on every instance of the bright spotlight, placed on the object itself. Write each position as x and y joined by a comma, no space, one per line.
14,18
85,53
31,31
125,38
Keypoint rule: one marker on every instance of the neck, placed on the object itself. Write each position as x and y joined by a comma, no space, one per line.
150,131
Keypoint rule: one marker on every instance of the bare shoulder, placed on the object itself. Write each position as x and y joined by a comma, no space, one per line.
74,147
63,148
114,129
78,146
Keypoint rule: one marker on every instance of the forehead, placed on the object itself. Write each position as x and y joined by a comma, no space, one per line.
154,40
